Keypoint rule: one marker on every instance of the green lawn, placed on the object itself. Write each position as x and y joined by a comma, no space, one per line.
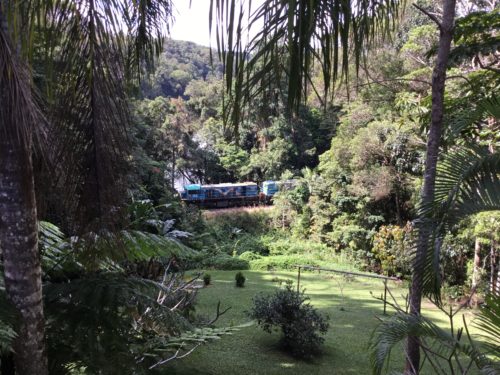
252,351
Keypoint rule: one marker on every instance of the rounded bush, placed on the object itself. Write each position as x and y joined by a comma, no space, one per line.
207,279
301,325
240,280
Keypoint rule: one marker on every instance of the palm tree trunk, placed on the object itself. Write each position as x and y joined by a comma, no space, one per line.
18,218
18,236
433,141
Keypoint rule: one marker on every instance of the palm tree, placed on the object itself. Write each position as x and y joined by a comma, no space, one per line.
295,34
467,182
18,230
96,44
446,26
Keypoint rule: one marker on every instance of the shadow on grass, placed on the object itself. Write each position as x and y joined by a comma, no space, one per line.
252,351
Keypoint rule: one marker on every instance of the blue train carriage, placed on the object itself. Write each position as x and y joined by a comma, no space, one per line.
221,195
270,188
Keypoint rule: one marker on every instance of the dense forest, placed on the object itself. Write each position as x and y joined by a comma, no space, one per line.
388,124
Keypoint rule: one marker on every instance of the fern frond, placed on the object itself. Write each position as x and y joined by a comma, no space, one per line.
443,345
105,250
179,346
467,182
111,318
488,322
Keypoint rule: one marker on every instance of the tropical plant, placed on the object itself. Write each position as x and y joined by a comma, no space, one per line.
90,46
467,182
117,318
295,33
301,325
291,36
240,279
207,279
445,351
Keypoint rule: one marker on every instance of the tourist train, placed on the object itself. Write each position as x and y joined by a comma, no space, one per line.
233,194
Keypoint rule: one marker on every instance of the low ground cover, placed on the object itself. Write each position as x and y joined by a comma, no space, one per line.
349,302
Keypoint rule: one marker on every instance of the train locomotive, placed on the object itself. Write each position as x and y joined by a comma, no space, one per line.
232,194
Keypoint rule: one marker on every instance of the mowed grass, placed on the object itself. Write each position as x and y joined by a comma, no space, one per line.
350,304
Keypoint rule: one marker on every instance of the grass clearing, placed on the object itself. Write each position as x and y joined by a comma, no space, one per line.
352,314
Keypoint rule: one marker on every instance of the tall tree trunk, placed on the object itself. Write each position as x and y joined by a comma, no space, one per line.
19,241
494,271
446,26
18,219
476,273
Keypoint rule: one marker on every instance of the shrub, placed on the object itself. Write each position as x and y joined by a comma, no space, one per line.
283,246
240,280
301,325
249,255
250,242
207,279
226,262
219,261
392,248
283,262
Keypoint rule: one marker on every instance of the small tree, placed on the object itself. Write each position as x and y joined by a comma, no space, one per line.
240,280
300,323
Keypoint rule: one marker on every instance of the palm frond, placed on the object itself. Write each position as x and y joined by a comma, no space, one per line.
292,36
21,119
467,182
103,313
92,49
488,322
147,22
438,344
468,122
179,346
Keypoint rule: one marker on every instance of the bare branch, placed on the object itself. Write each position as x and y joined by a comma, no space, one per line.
175,356
218,314
430,15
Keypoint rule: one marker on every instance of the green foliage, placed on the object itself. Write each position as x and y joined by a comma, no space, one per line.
117,320
180,63
284,262
301,325
489,323
467,183
392,247
440,344
249,255
240,280
218,261
207,279
285,49
475,36
286,246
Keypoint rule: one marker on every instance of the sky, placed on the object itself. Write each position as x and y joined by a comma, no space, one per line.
191,22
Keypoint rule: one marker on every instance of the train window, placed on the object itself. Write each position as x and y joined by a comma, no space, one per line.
192,192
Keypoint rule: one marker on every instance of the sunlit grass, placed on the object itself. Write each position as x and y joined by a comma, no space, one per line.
353,317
